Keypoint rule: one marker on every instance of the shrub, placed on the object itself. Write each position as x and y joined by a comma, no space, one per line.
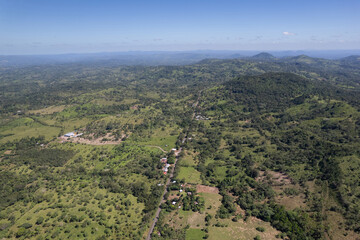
26,225
40,220
260,229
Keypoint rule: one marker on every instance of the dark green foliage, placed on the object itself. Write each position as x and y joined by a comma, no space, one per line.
268,92
227,208
43,157
12,188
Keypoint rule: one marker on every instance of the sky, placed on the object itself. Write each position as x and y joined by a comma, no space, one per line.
84,26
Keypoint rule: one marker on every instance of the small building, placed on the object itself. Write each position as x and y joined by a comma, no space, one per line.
167,165
173,149
173,203
181,190
70,134
163,160
174,181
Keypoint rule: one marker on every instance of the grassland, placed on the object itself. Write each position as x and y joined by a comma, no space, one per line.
190,174
194,234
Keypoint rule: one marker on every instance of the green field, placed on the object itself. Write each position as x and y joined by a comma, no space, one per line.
194,234
190,174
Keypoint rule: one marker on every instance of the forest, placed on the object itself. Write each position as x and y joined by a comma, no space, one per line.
270,145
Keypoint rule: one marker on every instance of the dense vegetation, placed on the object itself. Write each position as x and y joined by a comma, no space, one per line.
279,138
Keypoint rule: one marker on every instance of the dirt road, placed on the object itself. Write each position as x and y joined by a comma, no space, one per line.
177,153
156,218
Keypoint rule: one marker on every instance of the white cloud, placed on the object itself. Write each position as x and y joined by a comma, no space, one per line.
289,34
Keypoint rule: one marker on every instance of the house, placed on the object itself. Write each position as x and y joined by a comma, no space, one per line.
181,190
173,203
70,134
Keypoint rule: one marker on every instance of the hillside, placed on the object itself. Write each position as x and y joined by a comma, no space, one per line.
282,149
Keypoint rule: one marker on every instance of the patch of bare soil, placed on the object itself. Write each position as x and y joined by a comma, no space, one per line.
196,219
277,178
291,202
206,189
281,182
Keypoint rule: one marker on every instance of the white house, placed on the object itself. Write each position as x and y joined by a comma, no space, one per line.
70,134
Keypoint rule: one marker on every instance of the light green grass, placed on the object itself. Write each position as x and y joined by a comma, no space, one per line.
190,174
28,128
165,139
194,234
187,160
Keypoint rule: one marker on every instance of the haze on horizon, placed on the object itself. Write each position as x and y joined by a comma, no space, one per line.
54,27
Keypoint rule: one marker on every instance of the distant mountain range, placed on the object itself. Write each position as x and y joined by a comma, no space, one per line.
153,58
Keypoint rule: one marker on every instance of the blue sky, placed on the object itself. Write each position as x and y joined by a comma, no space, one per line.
77,26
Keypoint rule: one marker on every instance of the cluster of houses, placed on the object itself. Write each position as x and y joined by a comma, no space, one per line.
72,134
166,165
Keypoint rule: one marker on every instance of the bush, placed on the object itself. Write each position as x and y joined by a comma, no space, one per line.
22,232
39,221
26,225
260,229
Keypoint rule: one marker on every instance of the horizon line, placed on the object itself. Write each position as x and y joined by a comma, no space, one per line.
180,51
